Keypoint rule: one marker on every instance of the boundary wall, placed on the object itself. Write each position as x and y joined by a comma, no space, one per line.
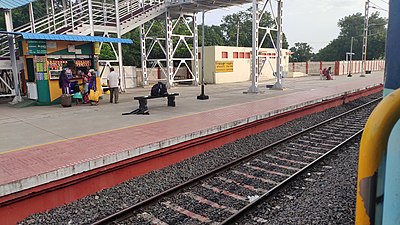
338,67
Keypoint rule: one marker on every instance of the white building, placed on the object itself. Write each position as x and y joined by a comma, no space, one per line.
225,64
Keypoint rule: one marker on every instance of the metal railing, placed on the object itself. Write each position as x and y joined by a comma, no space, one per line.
76,19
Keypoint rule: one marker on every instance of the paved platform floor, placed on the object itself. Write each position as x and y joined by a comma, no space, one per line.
44,143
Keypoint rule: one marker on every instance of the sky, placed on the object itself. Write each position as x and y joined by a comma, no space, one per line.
310,21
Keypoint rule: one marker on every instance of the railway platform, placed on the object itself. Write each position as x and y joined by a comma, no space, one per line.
48,146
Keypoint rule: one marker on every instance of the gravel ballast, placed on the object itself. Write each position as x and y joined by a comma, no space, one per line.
109,201
325,194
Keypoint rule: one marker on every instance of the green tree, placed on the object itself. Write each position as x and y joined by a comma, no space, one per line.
106,52
213,36
302,52
353,26
243,19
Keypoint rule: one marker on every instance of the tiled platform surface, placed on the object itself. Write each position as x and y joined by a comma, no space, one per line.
68,153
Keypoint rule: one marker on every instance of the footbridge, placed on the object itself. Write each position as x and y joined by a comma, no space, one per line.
117,18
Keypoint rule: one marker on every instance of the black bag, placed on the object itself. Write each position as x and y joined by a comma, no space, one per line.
155,90
163,89
159,89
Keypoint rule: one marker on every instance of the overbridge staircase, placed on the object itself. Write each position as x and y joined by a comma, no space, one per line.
76,19
83,18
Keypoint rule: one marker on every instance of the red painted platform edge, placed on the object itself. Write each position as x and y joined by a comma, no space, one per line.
17,206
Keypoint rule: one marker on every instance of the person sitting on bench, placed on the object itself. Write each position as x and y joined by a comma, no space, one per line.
158,90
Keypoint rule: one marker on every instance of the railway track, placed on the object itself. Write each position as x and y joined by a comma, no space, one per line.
224,194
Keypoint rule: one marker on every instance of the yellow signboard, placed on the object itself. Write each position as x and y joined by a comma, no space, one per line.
223,66
96,47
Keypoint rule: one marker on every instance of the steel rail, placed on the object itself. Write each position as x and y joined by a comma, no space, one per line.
124,213
279,186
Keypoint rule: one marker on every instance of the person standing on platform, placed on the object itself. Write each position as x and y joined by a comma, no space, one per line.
113,82
93,95
85,91
64,82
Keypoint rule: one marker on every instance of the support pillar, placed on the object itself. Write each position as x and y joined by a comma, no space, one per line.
254,58
278,85
53,16
365,39
31,17
143,55
91,23
195,66
47,13
202,96
72,15
11,44
64,4
169,49
120,62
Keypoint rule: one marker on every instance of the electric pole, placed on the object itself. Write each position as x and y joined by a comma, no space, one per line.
351,57
365,39
237,34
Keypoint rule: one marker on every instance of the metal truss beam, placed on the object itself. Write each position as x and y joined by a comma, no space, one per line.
278,73
169,48
254,57
258,62
172,43
195,65
11,45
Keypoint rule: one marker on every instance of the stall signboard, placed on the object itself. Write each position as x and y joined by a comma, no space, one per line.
223,66
96,47
37,47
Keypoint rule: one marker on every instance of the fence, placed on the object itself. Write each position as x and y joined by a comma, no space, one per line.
338,67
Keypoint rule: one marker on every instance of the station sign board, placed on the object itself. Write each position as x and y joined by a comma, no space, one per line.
223,66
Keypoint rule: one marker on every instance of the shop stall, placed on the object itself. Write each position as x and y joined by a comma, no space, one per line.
46,55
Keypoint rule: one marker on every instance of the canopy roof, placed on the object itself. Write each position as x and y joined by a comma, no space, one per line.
68,37
11,4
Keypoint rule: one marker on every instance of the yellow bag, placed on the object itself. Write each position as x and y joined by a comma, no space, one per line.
94,96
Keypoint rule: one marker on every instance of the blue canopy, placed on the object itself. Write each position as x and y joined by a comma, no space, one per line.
68,37
11,4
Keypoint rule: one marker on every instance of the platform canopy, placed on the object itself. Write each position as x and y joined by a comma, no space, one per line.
68,37
11,4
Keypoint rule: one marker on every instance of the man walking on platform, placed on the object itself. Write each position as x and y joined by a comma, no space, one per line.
113,81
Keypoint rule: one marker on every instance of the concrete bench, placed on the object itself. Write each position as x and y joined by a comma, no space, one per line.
144,110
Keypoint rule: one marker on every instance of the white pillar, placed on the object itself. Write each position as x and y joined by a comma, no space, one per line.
53,12
143,54
120,62
365,39
169,49
47,14
195,66
31,17
254,57
9,27
278,84
64,3
91,23
72,16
